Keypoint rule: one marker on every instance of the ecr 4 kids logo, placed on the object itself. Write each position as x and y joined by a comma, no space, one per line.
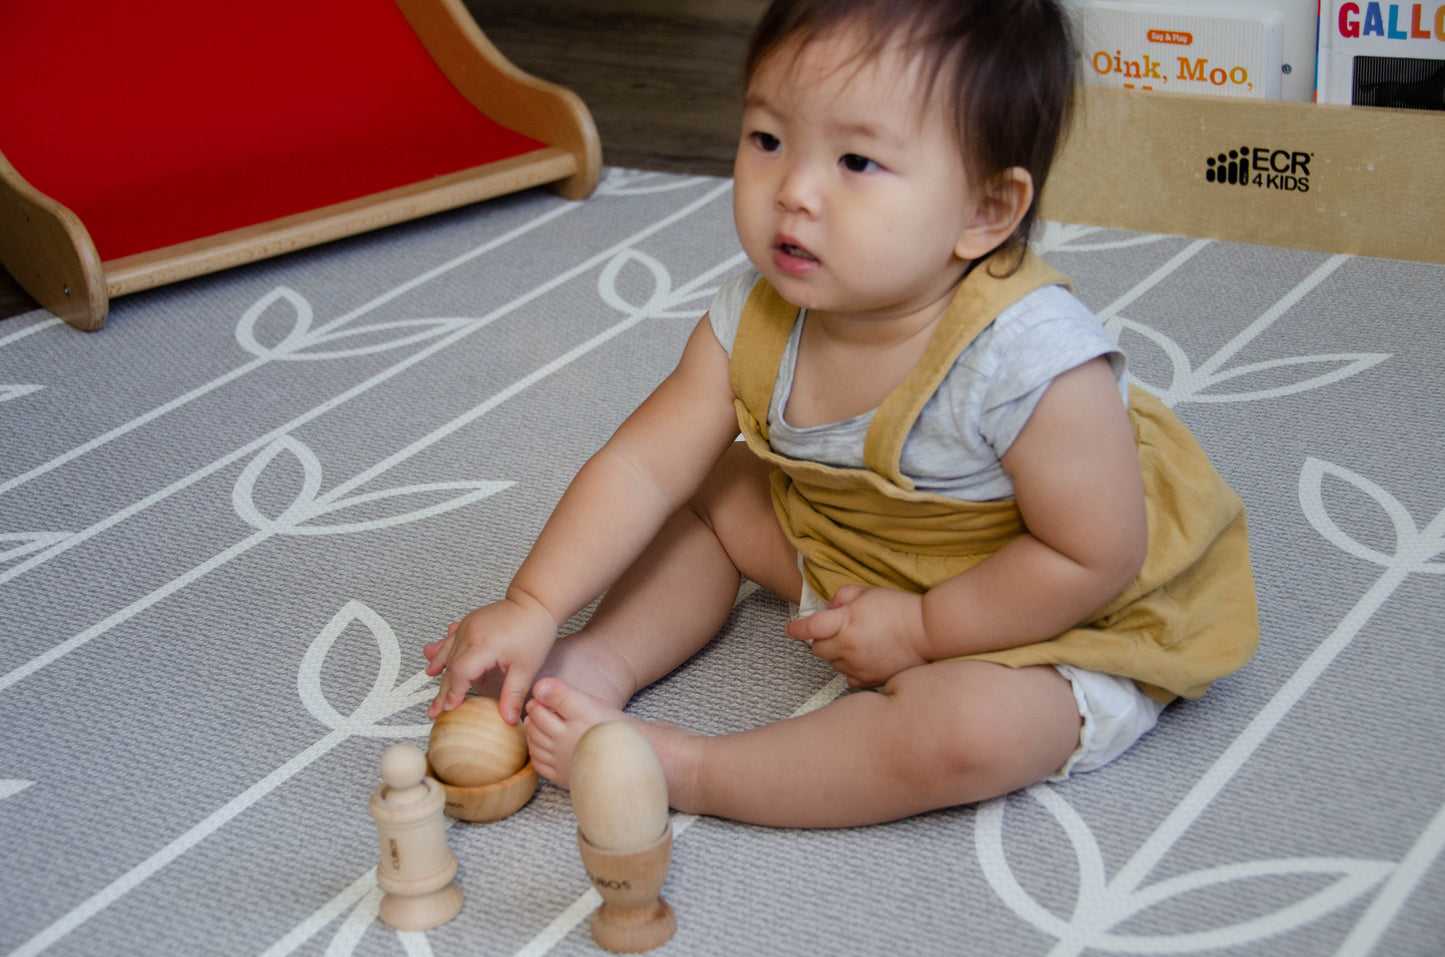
1260,167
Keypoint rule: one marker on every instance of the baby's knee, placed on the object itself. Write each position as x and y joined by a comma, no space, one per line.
981,730
955,743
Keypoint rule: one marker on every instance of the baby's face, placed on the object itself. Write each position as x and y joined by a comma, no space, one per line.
850,195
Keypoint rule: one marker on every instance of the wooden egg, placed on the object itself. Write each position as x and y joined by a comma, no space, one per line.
471,745
619,793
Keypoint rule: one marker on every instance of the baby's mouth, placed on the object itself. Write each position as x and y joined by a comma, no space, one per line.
796,251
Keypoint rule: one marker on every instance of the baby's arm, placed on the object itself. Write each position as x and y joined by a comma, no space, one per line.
618,501
1080,491
1076,476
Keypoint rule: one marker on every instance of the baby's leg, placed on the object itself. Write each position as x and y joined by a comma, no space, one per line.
939,735
678,593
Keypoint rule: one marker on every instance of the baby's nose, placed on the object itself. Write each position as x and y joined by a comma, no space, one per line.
798,191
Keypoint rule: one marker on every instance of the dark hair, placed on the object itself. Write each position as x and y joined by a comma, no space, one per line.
1007,69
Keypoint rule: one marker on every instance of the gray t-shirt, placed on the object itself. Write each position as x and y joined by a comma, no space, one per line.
956,445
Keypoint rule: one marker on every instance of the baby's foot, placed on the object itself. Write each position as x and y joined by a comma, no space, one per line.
557,717
588,666
559,714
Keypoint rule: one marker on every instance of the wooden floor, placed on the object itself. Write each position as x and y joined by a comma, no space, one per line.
661,77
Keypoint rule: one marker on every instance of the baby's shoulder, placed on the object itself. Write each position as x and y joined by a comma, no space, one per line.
726,310
1045,333
1047,306
1049,318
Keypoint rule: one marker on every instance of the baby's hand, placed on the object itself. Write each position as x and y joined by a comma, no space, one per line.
511,636
868,634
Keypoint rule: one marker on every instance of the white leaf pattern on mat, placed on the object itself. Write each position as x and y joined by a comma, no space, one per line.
634,182
1065,237
1350,879
1414,549
657,293
367,912
303,344
8,392
1104,903
359,905
295,337
353,928
12,787
1190,384
1187,384
417,330
27,542
988,839
1100,909
307,505
661,301
385,698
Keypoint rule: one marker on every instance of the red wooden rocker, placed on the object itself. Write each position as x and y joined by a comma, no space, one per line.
142,144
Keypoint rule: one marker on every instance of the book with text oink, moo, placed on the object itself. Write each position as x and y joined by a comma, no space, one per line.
1183,48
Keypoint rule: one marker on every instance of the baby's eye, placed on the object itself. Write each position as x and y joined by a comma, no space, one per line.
766,142
857,164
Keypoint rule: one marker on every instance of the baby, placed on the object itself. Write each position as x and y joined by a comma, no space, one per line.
945,469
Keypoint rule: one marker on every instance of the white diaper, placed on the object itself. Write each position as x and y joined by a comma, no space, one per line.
809,603
1115,712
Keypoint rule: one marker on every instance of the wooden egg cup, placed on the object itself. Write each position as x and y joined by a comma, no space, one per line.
489,802
633,917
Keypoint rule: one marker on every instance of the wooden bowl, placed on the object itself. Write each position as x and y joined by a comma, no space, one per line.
489,802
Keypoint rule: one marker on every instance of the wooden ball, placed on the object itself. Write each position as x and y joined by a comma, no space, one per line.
471,745
619,793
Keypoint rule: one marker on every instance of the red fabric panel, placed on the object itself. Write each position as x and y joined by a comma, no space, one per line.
169,120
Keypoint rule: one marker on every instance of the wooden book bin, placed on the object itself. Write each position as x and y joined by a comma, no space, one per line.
142,144
1362,180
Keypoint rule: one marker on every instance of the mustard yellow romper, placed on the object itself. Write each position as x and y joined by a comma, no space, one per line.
1188,618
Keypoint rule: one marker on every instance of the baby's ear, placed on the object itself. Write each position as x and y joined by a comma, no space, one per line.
1001,205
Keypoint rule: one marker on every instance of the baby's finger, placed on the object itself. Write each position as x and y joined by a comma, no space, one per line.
514,694
441,645
817,627
456,682
445,700
845,595
439,652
